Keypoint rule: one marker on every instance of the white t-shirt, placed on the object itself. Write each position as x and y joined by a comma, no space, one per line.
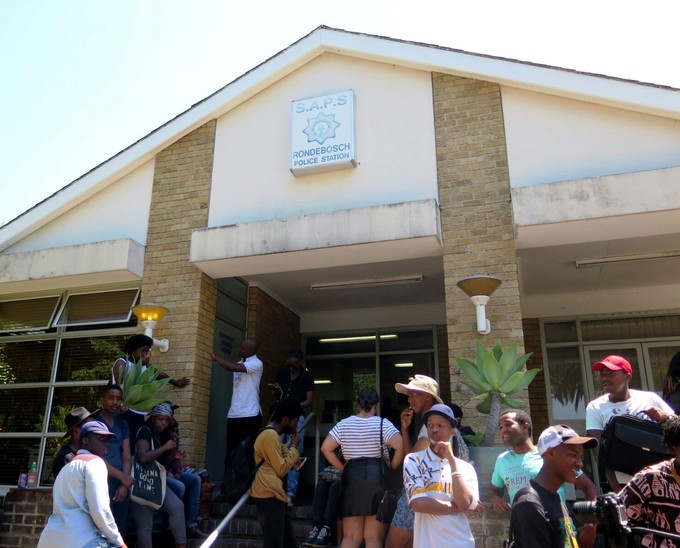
600,410
426,475
245,399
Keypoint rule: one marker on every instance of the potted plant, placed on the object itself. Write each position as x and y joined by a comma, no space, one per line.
494,377
142,389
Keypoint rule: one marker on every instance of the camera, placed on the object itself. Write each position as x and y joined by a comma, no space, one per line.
609,514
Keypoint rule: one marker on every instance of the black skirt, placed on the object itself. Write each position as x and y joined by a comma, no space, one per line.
361,487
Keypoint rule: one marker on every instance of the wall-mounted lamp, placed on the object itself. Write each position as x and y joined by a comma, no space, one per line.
150,314
479,288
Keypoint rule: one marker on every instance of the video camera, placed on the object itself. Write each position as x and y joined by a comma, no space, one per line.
610,515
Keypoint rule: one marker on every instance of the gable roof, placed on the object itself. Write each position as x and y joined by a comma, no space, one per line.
615,92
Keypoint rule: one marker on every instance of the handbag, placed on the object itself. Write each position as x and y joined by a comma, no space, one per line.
388,503
630,443
149,486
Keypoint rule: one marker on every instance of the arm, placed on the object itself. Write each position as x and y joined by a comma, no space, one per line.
230,366
588,532
396,443
406,420
118,365
275,454
497,500
328,448
308,400
179,383
97,496
427,505
146,454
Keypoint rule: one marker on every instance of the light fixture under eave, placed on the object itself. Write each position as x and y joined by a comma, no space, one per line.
357,338
623,259
479,288
403,364
150,314
322,381
368,282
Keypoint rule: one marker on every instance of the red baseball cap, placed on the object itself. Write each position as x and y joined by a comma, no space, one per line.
614,363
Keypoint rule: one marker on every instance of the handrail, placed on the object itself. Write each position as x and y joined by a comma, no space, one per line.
235,509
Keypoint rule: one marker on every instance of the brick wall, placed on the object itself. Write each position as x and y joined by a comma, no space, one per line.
537,391
180,198
443,359
476,216
25,514
277,329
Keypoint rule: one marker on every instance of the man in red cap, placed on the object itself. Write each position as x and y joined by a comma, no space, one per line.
619,399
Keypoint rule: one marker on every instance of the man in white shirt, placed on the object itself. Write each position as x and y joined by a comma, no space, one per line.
619,399
245,414
81,512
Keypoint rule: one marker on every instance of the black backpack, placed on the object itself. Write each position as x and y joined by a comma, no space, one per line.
631,443
241,468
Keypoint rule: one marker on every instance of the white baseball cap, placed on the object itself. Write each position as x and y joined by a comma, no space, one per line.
559,434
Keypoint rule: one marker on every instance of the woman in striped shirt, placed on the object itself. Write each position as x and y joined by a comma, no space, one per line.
359,438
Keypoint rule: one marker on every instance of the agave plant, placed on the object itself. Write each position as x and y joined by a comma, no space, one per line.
493,377
142,388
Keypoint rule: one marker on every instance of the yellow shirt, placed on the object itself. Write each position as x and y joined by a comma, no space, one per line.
278,460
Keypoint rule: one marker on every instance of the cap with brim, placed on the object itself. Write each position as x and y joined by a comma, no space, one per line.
95,427
441,410
613,363
420,383
562,434
76,417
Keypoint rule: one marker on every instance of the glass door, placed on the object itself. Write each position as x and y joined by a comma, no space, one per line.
657,356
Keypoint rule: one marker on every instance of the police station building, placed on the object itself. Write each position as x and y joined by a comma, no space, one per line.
331,199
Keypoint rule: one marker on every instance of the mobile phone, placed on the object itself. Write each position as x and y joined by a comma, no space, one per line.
300,463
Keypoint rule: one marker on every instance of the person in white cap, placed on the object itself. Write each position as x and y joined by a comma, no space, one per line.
440,487
81,514
539,517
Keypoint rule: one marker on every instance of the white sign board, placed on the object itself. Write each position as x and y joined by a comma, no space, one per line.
322,134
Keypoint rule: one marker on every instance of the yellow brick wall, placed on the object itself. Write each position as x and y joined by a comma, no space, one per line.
476,216
180,198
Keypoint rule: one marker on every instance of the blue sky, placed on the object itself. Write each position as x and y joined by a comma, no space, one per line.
81,80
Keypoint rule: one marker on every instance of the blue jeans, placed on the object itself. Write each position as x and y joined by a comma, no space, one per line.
294,475
188,488
325,504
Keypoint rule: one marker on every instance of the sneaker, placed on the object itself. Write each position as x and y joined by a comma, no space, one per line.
291,501
323,538
312,535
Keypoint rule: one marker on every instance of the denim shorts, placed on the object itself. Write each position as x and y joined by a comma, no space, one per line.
403,516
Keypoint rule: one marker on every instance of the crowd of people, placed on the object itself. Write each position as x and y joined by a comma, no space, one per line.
439,486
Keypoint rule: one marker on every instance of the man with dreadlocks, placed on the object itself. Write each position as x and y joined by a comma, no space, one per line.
652,497
671,384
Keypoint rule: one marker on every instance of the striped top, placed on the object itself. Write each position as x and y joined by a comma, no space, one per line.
360,436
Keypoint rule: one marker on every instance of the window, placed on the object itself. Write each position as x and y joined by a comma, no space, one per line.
45,370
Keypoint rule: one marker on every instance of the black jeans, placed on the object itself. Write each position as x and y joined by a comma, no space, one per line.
326,503
238,430
274,517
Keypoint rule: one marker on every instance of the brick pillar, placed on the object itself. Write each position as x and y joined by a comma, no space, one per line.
537,400
180,198
24,517
476,216
277,329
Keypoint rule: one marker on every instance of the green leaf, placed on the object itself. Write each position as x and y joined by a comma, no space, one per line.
508,363
512,383
528,376
492,371
473,375
475,389
480,355
484,406
497,351
513,402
